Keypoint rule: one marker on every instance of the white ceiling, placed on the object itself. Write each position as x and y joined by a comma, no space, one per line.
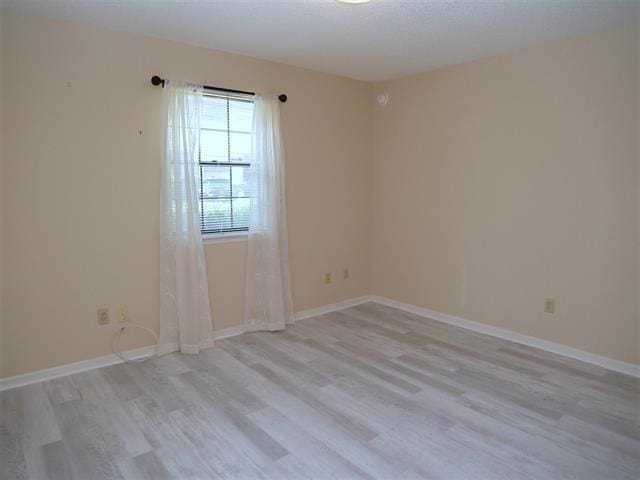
380,40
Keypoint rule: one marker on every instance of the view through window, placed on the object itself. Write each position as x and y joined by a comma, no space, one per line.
225,150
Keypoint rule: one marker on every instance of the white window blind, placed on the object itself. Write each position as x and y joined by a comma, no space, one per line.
225,150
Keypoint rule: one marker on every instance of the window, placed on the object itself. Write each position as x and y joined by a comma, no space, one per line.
225,150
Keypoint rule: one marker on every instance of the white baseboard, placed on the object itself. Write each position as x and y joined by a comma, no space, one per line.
98,362
69,368
107,360
599,360
313,312
228,332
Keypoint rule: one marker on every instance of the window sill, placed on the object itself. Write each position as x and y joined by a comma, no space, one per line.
215,238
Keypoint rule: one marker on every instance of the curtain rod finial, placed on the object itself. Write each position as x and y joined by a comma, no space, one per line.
156,80
282,97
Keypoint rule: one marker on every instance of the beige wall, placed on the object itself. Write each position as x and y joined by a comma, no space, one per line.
638,172
81,184
493,185
1,208
501,182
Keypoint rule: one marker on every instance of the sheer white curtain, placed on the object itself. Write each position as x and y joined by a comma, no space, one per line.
268,304
185,315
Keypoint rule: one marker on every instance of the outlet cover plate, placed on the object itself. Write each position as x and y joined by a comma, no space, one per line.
103,316
549,305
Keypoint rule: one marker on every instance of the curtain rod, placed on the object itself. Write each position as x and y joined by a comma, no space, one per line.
156,80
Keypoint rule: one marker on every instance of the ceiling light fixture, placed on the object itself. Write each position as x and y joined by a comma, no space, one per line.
354,1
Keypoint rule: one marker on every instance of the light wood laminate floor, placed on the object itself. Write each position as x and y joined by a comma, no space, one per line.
367,392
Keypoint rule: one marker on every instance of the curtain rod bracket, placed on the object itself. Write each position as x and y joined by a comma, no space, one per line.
156,80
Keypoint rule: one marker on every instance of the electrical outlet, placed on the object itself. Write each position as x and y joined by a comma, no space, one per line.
327,278
123,315
549,305
103,316
345,274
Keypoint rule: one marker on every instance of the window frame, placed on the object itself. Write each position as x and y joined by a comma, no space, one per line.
234,234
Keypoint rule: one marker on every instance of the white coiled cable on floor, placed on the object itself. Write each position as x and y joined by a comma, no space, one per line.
115,339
